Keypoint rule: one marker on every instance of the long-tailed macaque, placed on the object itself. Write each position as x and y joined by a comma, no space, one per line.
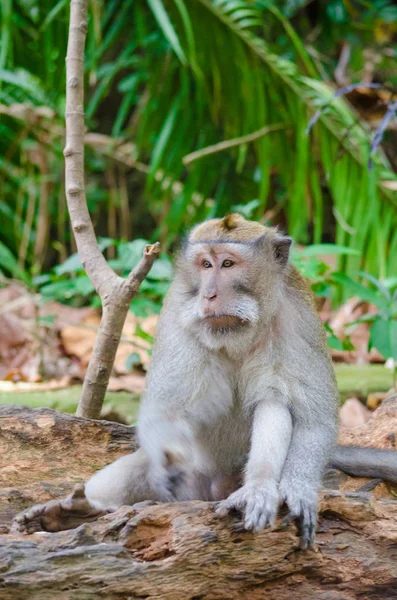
241,399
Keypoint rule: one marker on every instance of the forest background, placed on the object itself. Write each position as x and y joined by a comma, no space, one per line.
195,108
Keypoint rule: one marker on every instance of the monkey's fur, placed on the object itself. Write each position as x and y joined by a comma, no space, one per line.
241,399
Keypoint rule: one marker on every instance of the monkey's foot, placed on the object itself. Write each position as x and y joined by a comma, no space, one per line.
259,505
302,504
57,515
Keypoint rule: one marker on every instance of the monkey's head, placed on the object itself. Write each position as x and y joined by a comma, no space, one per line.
231,270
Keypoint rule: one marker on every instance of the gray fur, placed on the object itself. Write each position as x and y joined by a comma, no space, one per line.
260,399
241,391
253,400
366,462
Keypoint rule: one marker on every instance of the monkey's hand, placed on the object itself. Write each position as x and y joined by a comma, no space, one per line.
258,503
301,499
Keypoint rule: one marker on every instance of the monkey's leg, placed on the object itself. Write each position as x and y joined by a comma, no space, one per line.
57,515
121,483
259,497
302,475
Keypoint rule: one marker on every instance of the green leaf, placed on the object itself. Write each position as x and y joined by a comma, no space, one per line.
367,318
142,306
155,288
357,289
125,109
139,332
130,253
378,284
335,343
83,285
26,82
53,13
393,338
348,345
161,270
162,140
129,83
59,290
104,242
67,289
328,249
322,289
39,280
336,11
71,265
312,267
383,337
390,282
167,28
10,263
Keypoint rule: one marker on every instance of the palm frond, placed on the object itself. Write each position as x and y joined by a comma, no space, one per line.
249,87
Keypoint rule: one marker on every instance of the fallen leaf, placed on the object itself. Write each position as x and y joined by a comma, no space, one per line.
79,339
133,382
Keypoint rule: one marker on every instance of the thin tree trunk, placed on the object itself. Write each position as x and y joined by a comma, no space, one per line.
115,292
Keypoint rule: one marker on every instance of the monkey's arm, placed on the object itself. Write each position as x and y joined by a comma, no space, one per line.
310,447
168,439
172,408
365,462
259,498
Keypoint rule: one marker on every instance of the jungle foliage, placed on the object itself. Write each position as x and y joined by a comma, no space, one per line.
166,80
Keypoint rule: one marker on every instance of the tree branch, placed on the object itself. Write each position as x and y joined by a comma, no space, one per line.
226,144
115,292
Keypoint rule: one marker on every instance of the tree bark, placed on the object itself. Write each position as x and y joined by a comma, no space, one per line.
115,292
179,551
184,552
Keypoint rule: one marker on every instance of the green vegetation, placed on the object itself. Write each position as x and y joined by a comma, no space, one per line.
200,107
66,400
166,78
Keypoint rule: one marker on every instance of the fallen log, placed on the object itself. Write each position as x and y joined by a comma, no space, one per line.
175,551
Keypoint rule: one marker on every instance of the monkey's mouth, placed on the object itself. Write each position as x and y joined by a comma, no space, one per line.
224,322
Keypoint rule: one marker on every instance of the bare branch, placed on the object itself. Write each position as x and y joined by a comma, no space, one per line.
91,257
226,144
115,292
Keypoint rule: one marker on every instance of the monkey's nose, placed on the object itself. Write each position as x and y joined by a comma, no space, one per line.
210,296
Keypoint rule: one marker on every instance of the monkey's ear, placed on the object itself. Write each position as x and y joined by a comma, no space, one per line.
281,248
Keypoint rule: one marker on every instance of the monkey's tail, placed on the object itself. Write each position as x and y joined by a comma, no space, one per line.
365,462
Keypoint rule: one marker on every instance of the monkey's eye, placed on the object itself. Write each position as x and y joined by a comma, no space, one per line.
206,264
227,263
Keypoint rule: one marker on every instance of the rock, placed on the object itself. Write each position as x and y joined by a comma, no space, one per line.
353,413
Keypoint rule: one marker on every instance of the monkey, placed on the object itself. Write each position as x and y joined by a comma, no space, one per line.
241,401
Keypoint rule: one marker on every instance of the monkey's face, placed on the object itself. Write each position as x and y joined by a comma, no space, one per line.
228,280
222,299
225,297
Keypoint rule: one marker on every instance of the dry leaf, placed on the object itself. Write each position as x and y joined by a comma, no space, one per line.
133,382
78,340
